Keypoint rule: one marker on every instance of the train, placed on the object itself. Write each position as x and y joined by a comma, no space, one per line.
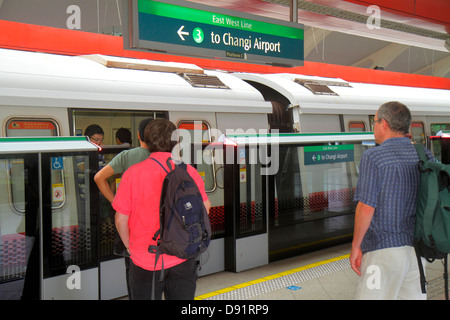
46,96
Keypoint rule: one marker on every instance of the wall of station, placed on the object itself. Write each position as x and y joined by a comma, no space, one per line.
78,27
436,10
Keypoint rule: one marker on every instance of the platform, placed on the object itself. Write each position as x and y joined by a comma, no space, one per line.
319,275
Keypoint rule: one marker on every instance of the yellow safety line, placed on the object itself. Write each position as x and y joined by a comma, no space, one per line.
271,277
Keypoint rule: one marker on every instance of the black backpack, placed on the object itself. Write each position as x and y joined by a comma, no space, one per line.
185,229
432,230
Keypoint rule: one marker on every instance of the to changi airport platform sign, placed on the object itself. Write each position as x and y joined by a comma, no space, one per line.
181,27
329,154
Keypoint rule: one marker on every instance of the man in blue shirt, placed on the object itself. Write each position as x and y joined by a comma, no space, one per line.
382,248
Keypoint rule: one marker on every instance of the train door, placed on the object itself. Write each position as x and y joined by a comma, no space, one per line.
112,267
310,195
19,232
46,252
197,130
110,122
69,236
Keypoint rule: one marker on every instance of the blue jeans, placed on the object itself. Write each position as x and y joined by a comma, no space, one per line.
179,282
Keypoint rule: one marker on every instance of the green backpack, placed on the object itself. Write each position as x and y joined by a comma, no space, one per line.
432,231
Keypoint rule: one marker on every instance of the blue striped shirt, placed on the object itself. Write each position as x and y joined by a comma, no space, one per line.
388,182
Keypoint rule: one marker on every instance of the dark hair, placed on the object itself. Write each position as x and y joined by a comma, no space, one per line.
397,115
158,135
93,129
142,125
124,135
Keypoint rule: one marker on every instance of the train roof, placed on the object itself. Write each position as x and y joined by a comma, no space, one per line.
96,81
320,95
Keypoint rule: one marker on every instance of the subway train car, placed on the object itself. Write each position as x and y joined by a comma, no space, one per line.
314,104
45,96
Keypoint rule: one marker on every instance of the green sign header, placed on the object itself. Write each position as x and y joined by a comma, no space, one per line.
181,27
329,154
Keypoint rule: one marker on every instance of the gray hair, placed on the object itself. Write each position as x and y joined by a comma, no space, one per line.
397,115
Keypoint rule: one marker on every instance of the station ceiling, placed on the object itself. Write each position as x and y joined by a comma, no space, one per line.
411,36
348,32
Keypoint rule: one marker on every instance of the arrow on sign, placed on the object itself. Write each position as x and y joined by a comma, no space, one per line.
182,33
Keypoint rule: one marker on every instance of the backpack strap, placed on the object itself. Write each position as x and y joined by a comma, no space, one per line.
432,194
423,281
431,204
169,163
170,168
421,152
446,276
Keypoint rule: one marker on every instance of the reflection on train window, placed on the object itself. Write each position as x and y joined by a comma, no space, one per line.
418,132
198,132
15,184
111,121
314,194
27,127
357,126
436,127
436,145
371,118
15,244
252,198
70,224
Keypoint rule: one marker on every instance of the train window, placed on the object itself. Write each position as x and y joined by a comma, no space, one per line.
199,132
17,232
16,185
111,121
436,127
371,118
71,232
28,127
314,195
436,145
357,126
418,132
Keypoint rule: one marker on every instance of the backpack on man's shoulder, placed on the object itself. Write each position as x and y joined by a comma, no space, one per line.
432,230
185,229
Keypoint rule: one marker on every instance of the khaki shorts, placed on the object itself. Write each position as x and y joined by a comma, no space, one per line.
390,274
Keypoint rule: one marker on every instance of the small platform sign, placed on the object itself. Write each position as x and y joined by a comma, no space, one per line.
329,154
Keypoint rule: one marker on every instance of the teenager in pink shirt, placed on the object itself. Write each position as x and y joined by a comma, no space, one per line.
137,219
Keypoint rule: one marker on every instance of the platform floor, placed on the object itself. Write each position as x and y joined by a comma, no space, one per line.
319,275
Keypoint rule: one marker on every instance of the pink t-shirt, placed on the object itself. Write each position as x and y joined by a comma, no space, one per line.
138,197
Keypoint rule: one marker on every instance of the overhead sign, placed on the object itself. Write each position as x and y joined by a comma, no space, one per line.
181,27
329,154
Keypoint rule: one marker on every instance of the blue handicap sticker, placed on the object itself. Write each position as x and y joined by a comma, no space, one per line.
294,288
57,163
